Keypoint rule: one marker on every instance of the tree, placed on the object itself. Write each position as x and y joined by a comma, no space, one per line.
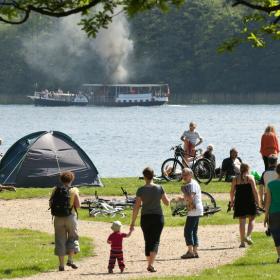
261,25
96,13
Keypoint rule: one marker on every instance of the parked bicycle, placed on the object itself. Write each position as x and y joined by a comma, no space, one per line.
178,206
171,169
106,207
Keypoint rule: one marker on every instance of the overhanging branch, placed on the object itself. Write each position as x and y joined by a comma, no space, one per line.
26,10
256,7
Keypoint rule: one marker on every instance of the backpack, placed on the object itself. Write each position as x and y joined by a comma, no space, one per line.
60,202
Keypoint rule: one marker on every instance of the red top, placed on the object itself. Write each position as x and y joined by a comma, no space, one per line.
116,239
269,144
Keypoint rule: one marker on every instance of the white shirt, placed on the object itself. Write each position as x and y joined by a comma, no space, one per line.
191,136
194,187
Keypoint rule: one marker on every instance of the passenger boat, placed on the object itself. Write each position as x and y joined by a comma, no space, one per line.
58,98
126,94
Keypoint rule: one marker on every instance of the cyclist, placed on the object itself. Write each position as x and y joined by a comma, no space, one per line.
191,139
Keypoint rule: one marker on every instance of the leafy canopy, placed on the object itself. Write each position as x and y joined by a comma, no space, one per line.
259,26
96,14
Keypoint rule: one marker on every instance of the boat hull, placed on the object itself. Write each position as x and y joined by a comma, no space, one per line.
57,103
129,104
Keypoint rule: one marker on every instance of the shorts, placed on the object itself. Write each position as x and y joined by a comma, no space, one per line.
66,235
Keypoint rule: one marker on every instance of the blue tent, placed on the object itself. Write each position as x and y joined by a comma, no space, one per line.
37,160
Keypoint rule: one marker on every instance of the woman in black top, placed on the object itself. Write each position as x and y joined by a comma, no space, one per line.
149,197
244,199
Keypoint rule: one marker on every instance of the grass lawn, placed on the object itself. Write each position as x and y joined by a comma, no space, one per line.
26,252
220,218
112,187
259,263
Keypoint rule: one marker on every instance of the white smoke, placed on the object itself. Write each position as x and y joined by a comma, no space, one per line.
62,52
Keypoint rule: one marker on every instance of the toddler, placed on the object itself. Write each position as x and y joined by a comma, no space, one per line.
115,239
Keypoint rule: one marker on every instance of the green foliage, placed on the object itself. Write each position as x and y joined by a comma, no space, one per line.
96,14
113,188
25,252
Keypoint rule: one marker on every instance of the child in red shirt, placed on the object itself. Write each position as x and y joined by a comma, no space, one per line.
116,239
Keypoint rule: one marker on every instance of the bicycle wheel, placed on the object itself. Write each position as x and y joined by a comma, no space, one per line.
202,171
209,204
171,169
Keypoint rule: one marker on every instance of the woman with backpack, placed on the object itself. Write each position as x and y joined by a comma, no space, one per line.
64,202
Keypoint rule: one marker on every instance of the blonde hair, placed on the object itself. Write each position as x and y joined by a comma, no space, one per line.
193,124
270,128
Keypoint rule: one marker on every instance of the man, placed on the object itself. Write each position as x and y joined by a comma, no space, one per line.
268,176
230,166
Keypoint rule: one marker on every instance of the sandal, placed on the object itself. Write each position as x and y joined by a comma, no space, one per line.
72,265
188,255
242,245
151,269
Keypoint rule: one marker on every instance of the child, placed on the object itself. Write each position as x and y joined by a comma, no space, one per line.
190,138
115,239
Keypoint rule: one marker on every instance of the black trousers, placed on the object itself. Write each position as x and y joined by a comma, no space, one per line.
265,161
152,226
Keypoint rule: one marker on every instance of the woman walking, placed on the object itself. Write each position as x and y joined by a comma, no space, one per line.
272,210
244,199
192,197
152,220
64,202
269,144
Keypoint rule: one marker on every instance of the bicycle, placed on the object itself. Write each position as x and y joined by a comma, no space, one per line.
171,169
178,207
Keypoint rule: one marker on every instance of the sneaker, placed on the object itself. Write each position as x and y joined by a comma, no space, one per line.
61,268
110,271
122,269
72,265
248,240
151,269
242,245
196,255
188,255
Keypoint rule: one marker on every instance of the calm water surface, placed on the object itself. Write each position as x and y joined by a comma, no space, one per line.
122,141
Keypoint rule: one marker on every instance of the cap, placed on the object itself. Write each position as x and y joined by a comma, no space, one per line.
116,226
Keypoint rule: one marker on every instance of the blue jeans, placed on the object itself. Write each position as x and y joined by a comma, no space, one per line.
190,230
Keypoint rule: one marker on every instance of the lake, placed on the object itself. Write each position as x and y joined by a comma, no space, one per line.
122,141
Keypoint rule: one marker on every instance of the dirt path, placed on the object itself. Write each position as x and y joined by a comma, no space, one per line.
219,245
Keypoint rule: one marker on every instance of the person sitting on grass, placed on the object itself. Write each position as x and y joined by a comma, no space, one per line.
208,154
230,166
64,202
116,239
